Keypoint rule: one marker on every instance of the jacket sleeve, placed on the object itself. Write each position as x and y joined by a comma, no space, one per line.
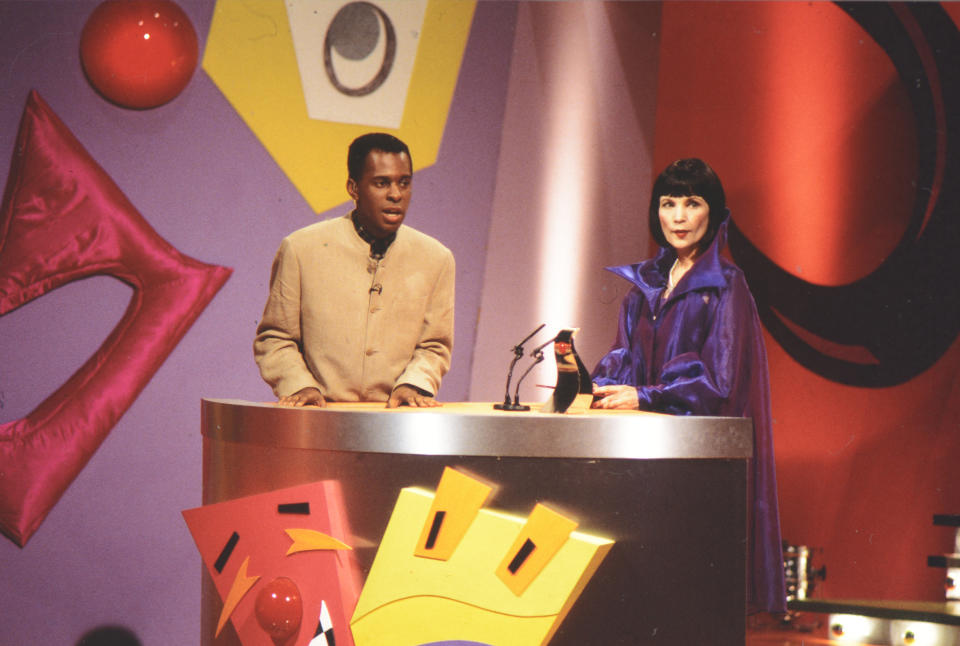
431,357
619,365
714,380
278,345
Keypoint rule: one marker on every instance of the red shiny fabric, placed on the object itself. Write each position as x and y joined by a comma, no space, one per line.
701,352
63,219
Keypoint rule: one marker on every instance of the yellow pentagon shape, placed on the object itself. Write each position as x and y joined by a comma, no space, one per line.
409,600
250,56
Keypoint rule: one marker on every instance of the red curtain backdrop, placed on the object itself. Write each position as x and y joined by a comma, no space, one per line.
810,126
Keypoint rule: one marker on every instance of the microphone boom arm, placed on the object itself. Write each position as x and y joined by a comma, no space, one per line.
538,357
517,354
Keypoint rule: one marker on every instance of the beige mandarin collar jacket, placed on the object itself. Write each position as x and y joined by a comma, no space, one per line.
352,326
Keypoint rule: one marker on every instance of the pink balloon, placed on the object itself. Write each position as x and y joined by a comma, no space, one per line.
279,609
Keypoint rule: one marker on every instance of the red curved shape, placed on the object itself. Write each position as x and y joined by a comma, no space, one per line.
805,119
62,219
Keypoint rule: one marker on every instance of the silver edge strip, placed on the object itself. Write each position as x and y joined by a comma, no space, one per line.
448,432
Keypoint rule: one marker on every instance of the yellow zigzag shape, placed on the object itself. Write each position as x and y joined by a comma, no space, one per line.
241,586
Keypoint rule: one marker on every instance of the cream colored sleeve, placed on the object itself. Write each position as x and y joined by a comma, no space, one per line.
431,357
278,345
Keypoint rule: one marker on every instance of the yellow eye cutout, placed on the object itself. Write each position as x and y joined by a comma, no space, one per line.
456,503
541,538
455,506
305,540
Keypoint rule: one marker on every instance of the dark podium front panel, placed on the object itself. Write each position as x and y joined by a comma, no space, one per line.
669,491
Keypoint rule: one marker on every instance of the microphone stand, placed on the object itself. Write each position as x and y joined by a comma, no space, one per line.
537,355
517,354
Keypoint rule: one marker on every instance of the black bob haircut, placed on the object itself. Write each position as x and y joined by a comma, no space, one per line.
362,145
683,178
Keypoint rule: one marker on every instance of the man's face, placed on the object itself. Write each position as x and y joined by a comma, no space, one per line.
382,193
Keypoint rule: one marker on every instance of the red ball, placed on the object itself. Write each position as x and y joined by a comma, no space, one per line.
279,609
138,53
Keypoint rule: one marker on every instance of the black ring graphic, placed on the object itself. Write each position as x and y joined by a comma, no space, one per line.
906,312
388,56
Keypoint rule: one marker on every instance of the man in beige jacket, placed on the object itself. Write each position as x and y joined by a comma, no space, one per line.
361,306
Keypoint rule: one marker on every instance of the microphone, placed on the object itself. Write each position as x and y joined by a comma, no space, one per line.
537,355
538,351
517,354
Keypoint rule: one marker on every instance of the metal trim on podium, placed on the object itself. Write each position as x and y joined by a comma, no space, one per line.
670,490
479,430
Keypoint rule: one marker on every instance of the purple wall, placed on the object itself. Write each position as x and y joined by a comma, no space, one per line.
115,550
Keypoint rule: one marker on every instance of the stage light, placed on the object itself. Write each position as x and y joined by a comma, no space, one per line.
857,629
923,633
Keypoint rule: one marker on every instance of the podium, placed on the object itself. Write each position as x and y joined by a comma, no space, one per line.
671,491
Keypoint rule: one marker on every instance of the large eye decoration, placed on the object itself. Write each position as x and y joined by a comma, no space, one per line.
356,57
354,34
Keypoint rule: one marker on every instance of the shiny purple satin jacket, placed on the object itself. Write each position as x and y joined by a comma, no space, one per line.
701,352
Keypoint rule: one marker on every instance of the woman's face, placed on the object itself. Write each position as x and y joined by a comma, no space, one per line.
684,221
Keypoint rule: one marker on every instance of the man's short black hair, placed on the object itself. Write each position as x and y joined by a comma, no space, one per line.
362,145
683,178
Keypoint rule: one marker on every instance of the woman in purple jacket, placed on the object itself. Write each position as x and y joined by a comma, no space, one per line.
689,342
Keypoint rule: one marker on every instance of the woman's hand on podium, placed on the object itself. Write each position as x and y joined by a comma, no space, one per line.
308,396
615,396
407,395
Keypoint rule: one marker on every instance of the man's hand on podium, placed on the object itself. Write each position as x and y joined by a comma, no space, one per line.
407,395
308,396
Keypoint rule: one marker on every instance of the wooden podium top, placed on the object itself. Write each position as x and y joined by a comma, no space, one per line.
476,428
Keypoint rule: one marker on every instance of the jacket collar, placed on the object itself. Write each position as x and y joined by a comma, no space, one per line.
650,276
378,246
